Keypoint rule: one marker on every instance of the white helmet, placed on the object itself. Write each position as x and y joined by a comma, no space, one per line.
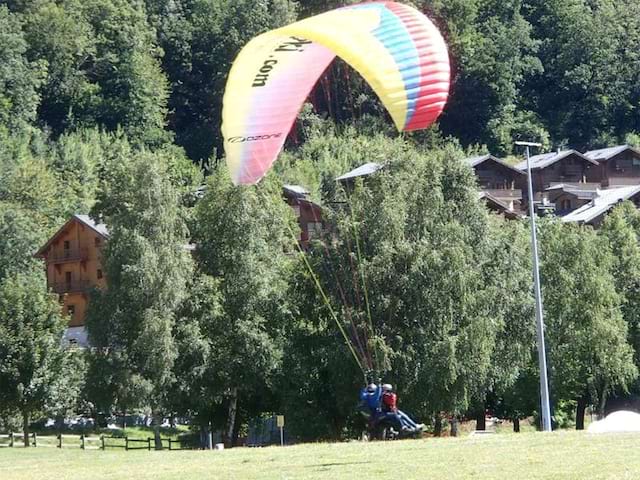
372,387
387,387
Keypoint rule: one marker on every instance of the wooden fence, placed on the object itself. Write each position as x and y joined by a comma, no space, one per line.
84,442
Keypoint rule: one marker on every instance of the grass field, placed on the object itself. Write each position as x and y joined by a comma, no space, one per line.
559,455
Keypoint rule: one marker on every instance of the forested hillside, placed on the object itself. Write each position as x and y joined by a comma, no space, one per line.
565,72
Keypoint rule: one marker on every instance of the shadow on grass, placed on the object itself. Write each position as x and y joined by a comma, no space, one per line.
335,464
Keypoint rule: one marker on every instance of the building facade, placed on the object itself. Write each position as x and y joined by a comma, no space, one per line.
308,213
73,268
567,167
619,165
499,180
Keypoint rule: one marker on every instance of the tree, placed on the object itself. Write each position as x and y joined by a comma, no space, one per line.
19,78
620,231
422,235
586,92
509,288
31,356
493,55
20,236
201,39
585,330
243,235
60,37
103,67
131,323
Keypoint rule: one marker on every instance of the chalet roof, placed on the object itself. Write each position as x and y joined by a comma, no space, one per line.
498,204
605,154
546,159
295,191
99,228
583,191
601,204
475,161
362,171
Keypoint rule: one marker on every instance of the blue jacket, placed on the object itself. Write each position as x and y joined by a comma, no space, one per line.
371,399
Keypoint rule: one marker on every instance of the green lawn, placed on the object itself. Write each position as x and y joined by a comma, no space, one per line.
560,455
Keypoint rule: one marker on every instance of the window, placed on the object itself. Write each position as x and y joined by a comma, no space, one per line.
97,241
67,278
99,274
71,310
67,245
565,204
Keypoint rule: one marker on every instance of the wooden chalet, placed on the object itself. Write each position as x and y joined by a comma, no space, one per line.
498,206
499,180
73,268
566,167
569,197
619,165
308,213
593,212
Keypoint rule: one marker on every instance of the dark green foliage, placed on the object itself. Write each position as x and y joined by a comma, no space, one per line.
621,229
585,328
434,284
493,53
131,324
31,357
102,67
562,72
243,235
19,78
201,38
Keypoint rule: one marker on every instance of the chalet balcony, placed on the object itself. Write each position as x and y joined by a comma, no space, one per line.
71,287
511,194
72,255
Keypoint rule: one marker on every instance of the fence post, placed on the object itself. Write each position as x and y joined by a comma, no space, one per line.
11,439
82,441
102,441
59,440
149,443
170,444
126,443
35,440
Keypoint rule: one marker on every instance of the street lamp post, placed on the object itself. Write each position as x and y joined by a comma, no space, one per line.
542,356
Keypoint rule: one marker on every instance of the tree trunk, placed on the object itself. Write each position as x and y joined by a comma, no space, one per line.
580,409
516,425
437,427
157,421
231,416
481,422
603,400
25,428
454,426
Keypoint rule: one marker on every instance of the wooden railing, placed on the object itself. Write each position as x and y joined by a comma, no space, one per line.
71,287
73,254
85,442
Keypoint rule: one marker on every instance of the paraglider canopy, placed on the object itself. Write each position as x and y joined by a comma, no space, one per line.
395,48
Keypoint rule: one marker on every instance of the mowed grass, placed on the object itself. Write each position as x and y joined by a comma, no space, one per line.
558,455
